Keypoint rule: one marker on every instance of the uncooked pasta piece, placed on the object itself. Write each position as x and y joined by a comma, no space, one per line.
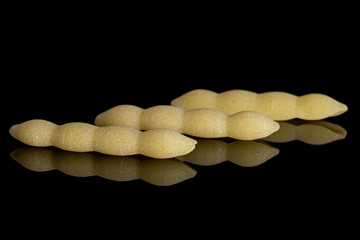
206,123
275,105
161,172
113,140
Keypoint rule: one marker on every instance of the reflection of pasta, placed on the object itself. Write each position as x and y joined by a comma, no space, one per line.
115,140
243,153
207,123
275,105
162,172
311,132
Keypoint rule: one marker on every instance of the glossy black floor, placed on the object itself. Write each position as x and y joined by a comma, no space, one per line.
73,82
298,168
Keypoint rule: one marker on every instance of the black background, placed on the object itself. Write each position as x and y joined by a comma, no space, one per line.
67,68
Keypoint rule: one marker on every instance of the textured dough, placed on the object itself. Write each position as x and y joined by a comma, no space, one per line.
161,172
206,123
243,153
113,140
275,105
310,132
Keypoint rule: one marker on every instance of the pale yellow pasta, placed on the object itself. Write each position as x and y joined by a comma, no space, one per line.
161,172
275,105
114,140
206,123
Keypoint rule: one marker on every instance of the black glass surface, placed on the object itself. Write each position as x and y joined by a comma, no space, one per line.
66,75
302,161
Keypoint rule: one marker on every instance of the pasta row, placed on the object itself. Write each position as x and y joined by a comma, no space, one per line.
206,123
114,140
275,105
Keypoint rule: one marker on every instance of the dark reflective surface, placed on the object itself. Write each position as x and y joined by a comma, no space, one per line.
305,166
311,132
70,64
167,172
161,172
